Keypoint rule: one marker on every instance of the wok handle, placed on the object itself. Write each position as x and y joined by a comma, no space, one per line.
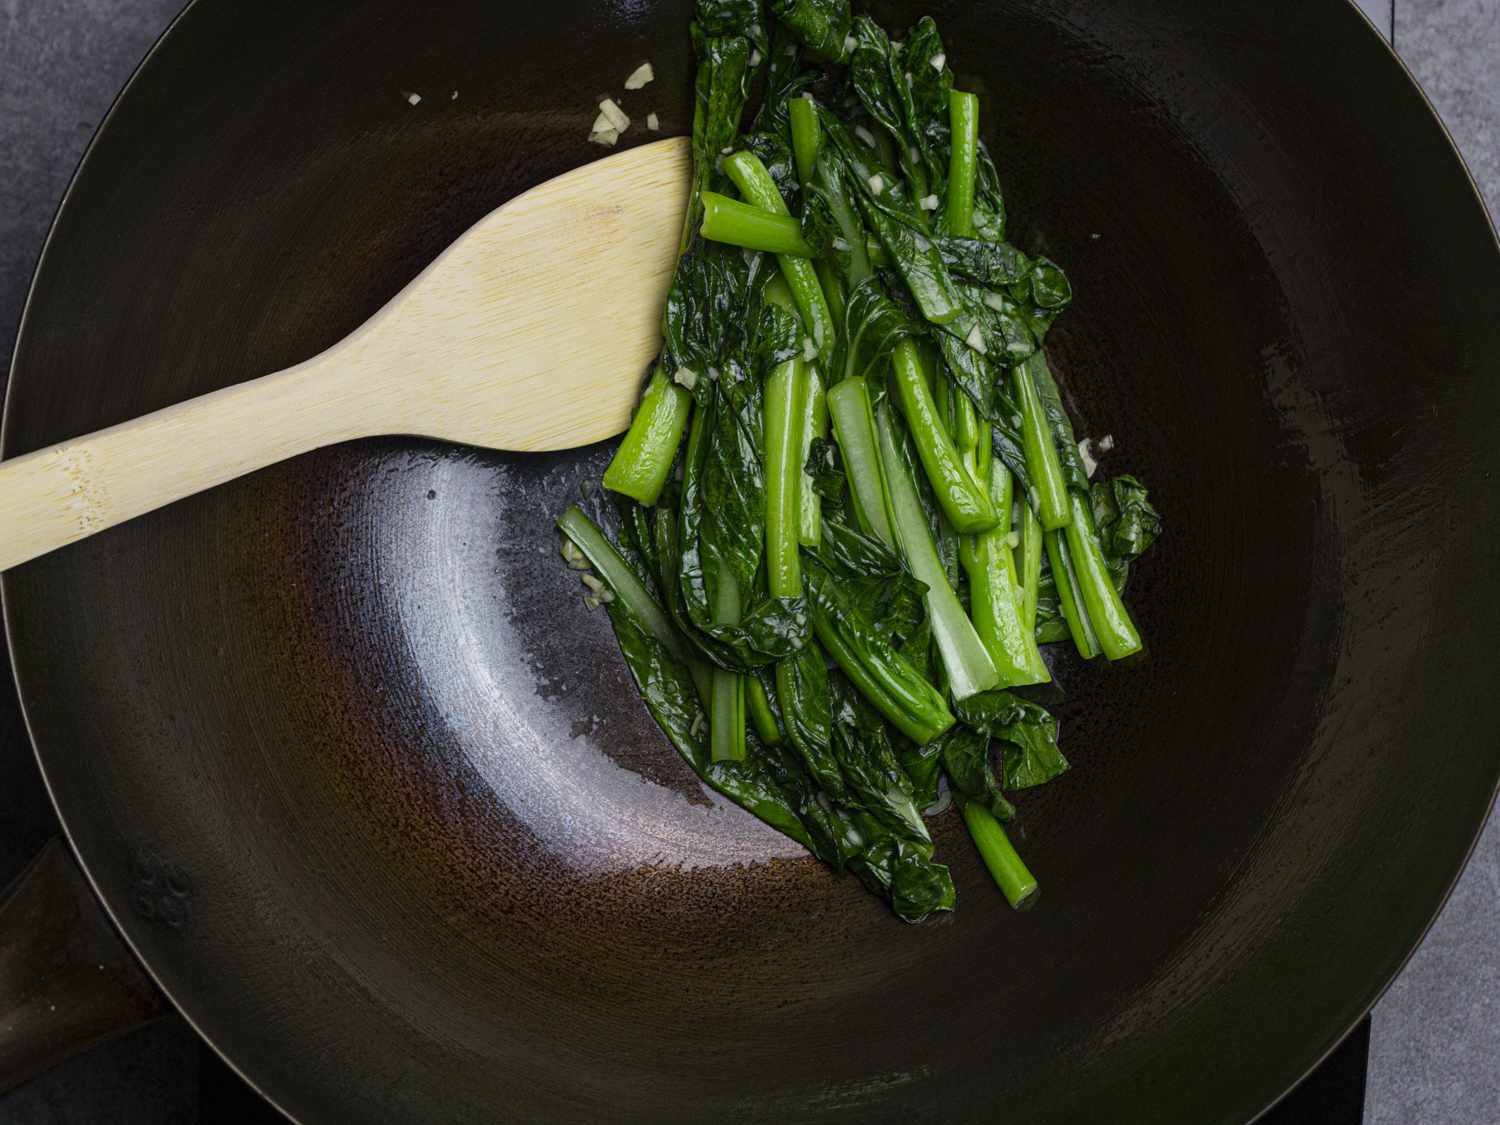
67,980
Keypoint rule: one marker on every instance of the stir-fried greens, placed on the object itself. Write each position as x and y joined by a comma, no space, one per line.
852,504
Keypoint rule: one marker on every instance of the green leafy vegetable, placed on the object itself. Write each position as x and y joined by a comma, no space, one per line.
851,503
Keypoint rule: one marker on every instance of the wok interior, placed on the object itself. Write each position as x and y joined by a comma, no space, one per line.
437,854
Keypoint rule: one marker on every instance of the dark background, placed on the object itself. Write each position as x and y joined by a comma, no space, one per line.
1436,1036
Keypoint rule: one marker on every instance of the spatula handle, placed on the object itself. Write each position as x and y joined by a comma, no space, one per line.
58,495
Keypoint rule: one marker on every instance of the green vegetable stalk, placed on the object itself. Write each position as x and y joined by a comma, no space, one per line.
963,115
1107,614
967,507
1011,875
786,414
1030,565
880,673
807,136
726,718
629,590
970,669
759,190
741,224
1042,464
854,427
814,426
996,598
640,467
758,707
1070,597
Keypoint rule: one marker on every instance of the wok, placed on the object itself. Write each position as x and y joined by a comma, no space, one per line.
367,790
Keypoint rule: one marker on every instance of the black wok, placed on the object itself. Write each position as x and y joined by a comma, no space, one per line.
368,792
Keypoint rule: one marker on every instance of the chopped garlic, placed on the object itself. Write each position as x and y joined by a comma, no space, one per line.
591,601
1086,454
593,583
865,135
610,109
849,44
939,61
605,137
840,245
1106,443
653,122
929,203
1013,540
877,184
413,99
453,97
640,76
570,550
809,349
755,57
686,377
975,340
994,300
606,596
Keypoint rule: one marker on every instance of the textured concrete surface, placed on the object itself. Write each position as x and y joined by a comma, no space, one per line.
1435,1047
1453,47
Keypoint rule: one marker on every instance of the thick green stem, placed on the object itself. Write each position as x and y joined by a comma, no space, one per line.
1042,464
895,689
622,580
786,419
759,190
968,509
726,719
1069,598
741,224
970,669
963,117
1031,563
815,425
1107,614
977,461
995,596
1011,875
632,593
807,136
966,435
854,427
758,706
833,288
846,215
738,223
640,467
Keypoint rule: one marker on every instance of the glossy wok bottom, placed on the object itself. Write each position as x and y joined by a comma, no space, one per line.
370,792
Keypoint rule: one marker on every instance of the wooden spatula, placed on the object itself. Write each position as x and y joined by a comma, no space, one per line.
532,332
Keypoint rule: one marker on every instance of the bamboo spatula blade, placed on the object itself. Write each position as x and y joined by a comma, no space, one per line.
532,332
